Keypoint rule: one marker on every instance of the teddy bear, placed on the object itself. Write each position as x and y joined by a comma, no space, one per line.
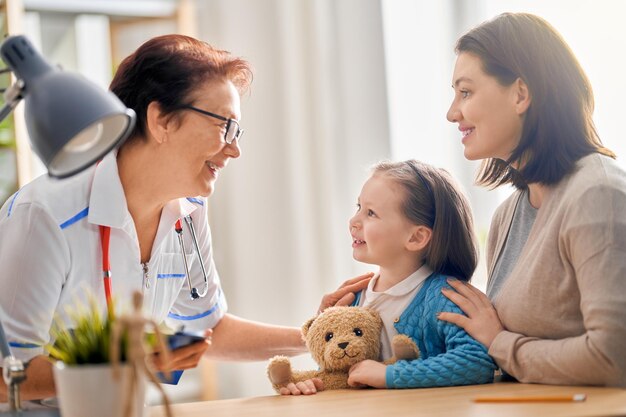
338,338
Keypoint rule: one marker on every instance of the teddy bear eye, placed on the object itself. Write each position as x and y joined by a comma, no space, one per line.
329,336
358,331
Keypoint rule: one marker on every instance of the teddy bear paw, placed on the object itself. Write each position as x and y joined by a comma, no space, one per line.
404,348
279,370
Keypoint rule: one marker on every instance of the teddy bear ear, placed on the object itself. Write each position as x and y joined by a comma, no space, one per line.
374,315
307,325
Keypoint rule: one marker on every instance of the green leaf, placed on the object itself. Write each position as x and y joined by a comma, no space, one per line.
87,339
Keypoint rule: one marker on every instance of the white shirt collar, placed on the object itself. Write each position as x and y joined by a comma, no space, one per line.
401,288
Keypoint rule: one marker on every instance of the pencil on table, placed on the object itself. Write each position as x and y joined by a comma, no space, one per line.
533,399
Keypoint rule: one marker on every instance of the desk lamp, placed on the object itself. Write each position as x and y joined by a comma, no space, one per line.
72,123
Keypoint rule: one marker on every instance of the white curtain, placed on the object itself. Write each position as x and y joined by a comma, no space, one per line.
315,120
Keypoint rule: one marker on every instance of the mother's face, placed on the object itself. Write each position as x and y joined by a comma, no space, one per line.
490,116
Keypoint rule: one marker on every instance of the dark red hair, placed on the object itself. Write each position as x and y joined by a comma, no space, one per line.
167,69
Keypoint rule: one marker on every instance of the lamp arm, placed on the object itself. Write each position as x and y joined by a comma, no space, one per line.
13,370
4,343
12,96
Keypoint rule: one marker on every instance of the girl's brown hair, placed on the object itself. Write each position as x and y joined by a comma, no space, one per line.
167,69
434,199
558,129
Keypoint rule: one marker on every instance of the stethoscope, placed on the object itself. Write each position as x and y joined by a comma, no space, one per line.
179,231
105,234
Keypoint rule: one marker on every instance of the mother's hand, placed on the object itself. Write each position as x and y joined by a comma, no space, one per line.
344,295
482,321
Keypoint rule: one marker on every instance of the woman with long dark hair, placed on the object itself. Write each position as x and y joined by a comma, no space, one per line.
556,251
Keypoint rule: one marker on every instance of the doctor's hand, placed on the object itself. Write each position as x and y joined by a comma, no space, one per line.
482,321
344,295
185,357
368,373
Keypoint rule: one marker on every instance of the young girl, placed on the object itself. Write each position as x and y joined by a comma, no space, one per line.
414,222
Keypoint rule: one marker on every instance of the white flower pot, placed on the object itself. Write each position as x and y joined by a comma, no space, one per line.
91,390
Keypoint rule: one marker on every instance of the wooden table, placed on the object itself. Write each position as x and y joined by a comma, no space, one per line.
452,401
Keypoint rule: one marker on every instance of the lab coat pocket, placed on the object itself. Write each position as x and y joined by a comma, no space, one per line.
171,278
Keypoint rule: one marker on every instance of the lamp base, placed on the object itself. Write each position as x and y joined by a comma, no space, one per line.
31,413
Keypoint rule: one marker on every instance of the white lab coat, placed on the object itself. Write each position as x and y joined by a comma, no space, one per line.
51,258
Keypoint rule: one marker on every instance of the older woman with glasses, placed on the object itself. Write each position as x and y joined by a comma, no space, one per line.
139,218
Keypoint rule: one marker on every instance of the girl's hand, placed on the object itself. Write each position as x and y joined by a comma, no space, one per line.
308,387
344,295
367,373
185,357
482,321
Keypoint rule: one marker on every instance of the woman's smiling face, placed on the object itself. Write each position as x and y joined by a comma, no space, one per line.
198,142
487,113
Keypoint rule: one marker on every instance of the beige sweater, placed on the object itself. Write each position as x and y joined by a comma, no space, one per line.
564,304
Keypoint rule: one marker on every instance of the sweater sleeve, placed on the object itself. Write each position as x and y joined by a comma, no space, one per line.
464,361
593,243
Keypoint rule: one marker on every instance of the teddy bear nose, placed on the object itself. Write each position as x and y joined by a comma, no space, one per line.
342,345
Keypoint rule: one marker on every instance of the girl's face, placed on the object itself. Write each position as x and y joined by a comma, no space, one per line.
490,116
380,231
197,142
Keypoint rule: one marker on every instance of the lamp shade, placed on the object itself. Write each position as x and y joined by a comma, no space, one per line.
72,123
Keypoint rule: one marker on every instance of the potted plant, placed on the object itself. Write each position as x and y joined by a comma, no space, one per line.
83,374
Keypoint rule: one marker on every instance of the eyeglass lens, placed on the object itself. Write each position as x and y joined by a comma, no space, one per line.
233,131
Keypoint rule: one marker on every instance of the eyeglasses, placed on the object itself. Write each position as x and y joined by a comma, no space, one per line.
233,130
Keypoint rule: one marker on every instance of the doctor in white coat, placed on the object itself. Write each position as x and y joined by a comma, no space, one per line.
53,234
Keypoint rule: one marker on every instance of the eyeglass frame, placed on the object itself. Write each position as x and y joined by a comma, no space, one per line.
229,122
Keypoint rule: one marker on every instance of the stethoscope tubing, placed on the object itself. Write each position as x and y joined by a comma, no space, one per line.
181,242
194,239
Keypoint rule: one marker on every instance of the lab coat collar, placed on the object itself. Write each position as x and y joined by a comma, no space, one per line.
173,210
107,203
